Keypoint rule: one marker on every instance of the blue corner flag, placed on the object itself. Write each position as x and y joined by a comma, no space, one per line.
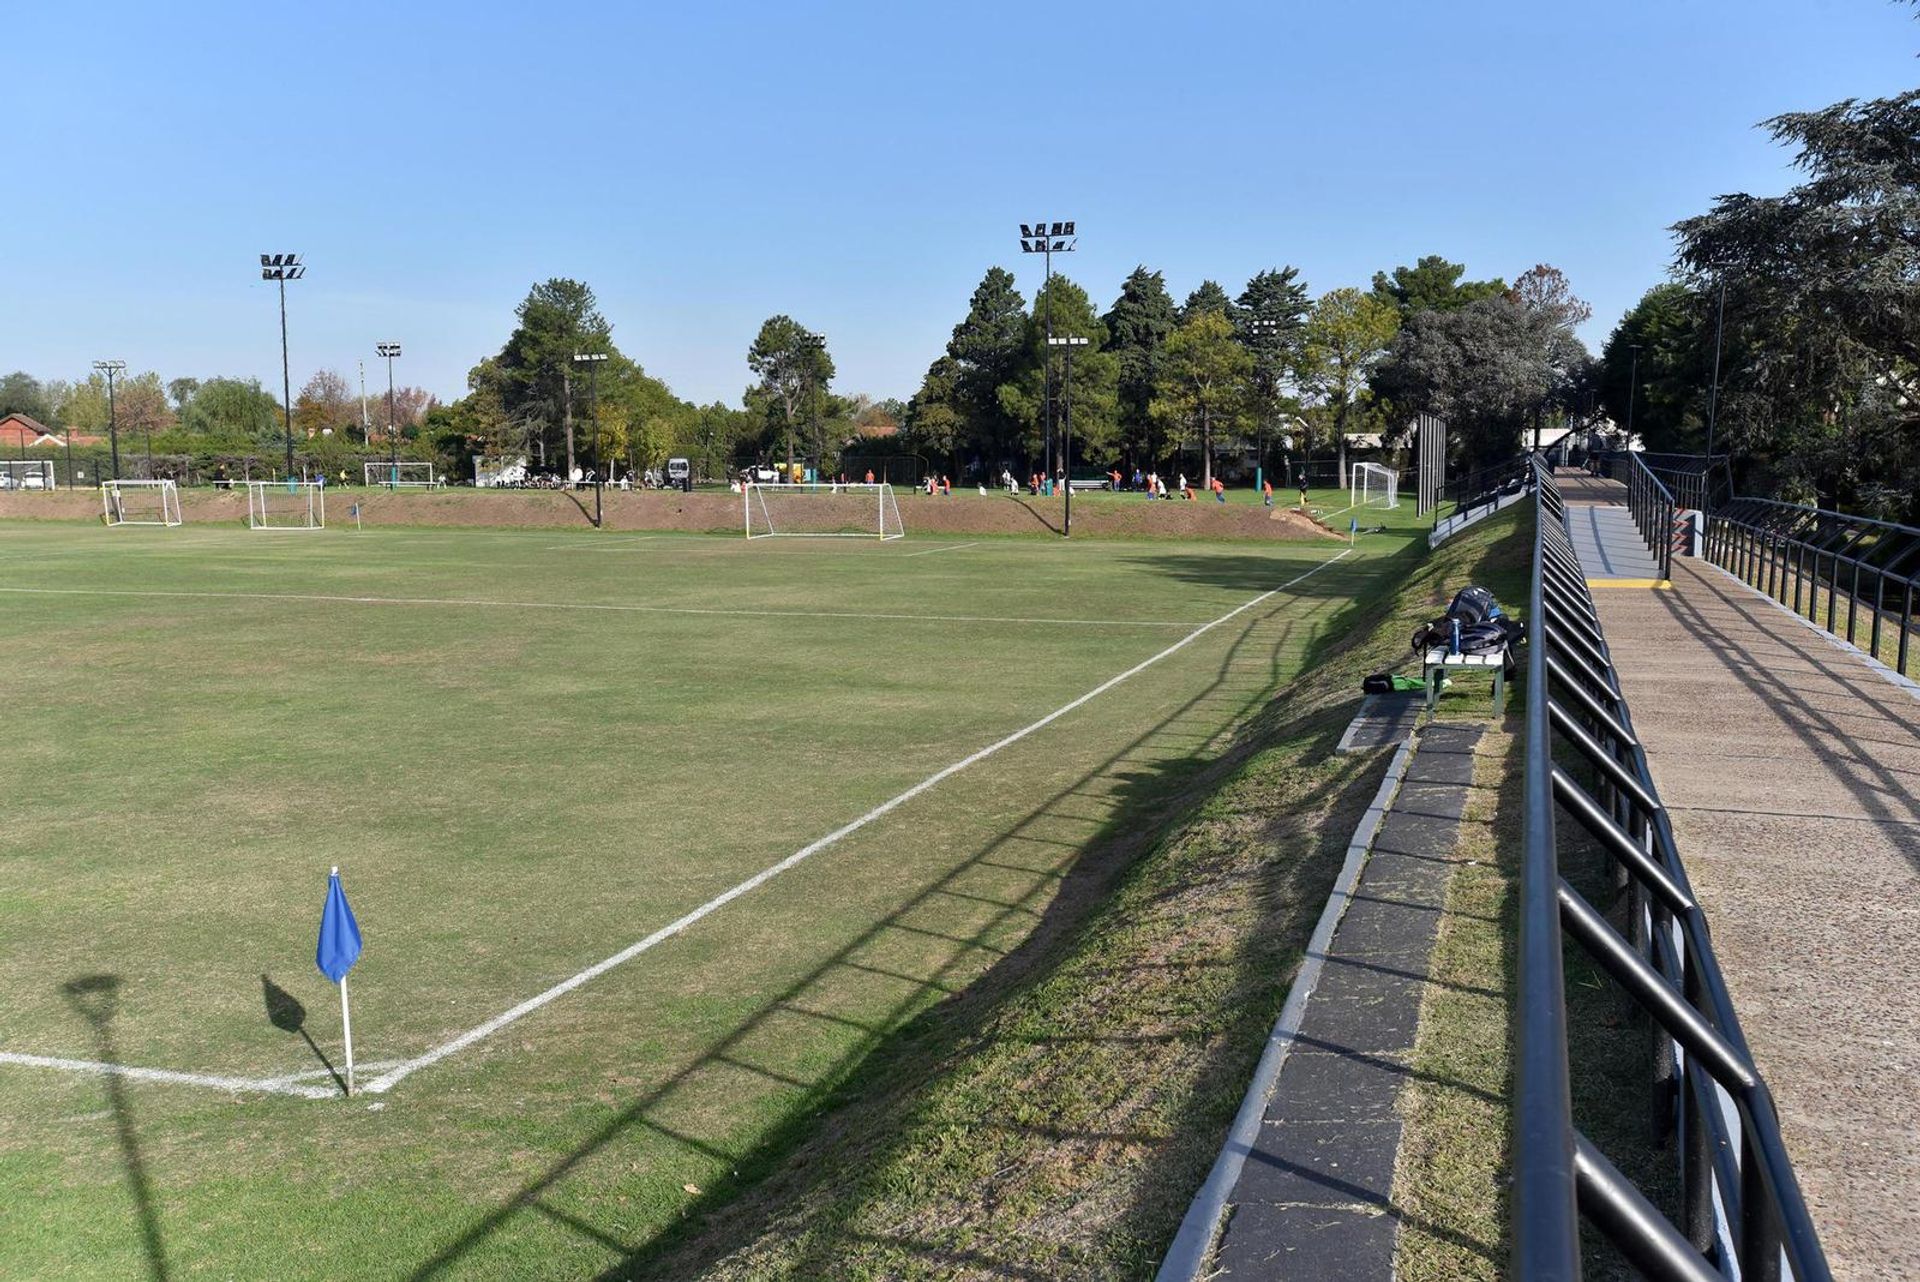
339,934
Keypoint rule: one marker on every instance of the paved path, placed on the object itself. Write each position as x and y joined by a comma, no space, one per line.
1792,771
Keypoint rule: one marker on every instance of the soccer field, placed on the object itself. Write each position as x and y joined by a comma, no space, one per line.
650,838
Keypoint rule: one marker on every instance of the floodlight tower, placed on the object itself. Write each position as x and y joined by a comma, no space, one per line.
592,361
1040,238
110,369
1066,431
391,350
1259,327
283,268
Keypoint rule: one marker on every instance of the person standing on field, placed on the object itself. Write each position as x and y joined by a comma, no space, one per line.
1219,490
869,476
1266,493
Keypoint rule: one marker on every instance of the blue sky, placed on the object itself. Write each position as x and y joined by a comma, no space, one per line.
856,166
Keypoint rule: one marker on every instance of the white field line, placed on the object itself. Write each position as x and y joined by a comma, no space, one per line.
952,547
593,541
592,606
386,1081
293,1083
270,1085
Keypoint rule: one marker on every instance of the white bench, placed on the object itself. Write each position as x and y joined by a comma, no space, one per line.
1438,662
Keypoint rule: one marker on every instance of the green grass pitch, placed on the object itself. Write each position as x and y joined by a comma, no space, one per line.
526,751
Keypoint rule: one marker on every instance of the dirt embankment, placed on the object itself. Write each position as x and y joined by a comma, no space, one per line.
704,511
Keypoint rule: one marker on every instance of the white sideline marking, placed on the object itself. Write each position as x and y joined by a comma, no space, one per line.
593,541
292,1083
270,1085
954,547
386,1081
589,605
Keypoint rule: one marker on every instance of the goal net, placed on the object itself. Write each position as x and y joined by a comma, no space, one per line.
141,502
1375,486
286,505
26,474
821,511
400,475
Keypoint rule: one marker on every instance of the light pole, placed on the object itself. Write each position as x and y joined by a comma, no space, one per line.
1066,431
110,369
1633,392
1259,327
283,268
592,361
391,350
811,345
1039,238
1713,394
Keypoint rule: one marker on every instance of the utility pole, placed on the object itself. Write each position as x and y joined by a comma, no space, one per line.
1039,238
1066,434
1713,393
110,369
389,351
592,361
283,268
1633,392
366,428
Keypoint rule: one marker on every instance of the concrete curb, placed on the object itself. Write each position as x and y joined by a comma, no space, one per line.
1841,644
1187,1256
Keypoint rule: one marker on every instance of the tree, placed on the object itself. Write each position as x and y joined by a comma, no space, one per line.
1486,368
1209,297
1095,404
21,393
232,409
795,373
1432,284
1138,326
935,419
1347,334
558,318
1205,381
1822,286
1270,320
182,390
1667,379
988,348
326,404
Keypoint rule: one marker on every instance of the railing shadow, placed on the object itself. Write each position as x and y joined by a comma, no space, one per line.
1065,873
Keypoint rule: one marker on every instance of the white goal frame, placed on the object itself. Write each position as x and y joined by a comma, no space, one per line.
114,504
313,517
1374,483
20,470
404,475
886,510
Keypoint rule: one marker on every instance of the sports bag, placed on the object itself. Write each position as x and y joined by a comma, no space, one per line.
1473,605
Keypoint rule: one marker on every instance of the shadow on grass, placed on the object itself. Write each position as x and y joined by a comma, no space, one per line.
863,1106
285,1013
97,998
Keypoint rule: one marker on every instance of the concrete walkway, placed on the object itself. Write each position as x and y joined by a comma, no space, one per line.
1792,771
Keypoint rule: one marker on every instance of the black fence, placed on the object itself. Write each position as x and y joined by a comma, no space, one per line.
1852,575
1740,1210
1653,508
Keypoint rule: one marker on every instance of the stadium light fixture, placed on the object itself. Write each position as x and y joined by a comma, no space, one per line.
1048,239
389,351
283,268
592,361
1069,342
111,369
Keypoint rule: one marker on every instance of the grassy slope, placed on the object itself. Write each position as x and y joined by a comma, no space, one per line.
1055,1120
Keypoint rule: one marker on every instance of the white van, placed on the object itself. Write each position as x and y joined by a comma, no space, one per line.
679,474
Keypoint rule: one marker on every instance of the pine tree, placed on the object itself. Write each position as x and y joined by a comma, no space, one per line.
1138,326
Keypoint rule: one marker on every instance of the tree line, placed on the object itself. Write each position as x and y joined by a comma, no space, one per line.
1789,331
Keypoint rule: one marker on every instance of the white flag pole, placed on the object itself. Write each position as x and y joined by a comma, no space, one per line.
346,1023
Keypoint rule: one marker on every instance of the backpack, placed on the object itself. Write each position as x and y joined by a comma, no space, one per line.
1473,605
1485,637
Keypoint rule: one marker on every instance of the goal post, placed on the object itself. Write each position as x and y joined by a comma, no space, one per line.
402,475
854,511
1375,486
140,502
26,474
286,505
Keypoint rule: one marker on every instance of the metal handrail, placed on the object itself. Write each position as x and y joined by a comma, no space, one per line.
1791,553
1742,1213
1652,506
